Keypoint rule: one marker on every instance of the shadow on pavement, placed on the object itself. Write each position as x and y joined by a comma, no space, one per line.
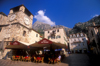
77,60
94,59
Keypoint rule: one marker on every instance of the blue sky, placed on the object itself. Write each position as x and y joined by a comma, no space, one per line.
56,12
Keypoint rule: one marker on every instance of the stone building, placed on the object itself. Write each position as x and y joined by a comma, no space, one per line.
56,35
78,43
17,26
94,38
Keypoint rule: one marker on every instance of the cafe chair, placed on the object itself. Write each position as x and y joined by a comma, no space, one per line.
35,60
23,58
13,58
18,58
41,60
58,60
55,60
28,59
50,60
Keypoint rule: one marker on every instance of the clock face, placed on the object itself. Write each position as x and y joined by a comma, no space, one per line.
12,17
26,20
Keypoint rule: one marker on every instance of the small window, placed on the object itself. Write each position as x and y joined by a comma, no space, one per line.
58,36
74,35
78,44
13,39
48,31
24,33
81,34
53,37
53,31
79,39
58,30
8,39
7,43
0,29
48,37
36,35
77,35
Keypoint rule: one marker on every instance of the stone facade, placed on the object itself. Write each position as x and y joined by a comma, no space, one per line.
17,26
14,27
3,18
57,35
94,38
20,16
78,43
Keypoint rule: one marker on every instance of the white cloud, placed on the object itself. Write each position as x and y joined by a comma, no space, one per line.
42,18
95,15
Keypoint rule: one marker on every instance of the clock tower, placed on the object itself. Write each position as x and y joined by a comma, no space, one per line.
22,15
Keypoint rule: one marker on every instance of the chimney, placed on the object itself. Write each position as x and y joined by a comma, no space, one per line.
93,23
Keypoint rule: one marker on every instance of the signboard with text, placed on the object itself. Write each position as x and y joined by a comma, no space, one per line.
45,41
15,43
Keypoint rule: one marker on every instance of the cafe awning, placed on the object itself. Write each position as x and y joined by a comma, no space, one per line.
48,44
17,45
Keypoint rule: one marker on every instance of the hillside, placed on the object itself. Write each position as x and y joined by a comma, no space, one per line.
40,26
81,27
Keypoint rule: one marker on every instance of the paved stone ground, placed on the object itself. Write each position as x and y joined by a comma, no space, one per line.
94,59
77,60
70,60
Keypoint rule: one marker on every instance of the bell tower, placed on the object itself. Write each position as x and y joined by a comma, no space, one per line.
22,15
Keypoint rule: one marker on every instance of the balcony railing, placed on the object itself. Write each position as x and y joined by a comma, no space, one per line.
77,41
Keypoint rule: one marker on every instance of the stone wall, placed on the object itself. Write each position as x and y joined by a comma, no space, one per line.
3,20
15,32
20,18
63,38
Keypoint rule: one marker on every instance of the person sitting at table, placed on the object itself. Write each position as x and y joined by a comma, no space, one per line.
59,58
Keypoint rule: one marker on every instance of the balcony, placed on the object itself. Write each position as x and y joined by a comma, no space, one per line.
77,41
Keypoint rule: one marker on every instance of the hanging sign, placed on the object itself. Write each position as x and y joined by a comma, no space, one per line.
45,41
15,43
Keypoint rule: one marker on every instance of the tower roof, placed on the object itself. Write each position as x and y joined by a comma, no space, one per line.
3,13
26,10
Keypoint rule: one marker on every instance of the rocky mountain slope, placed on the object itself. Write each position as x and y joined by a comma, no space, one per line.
81,27
40,26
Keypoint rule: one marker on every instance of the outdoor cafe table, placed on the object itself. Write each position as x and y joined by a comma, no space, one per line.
26,57
39,58
53,59
17,56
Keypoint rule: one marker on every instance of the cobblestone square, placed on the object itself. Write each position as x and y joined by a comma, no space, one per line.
69,60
